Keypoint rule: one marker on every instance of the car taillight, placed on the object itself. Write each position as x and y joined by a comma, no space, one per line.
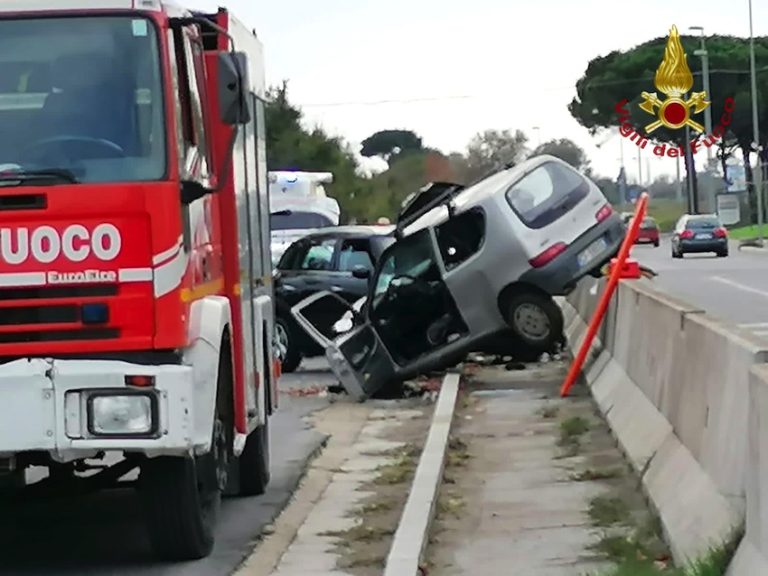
548,255
686,234
721,233
604,212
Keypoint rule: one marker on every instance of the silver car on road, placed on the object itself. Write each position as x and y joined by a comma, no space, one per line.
470,264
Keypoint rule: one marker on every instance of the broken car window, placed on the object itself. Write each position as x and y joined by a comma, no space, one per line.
460,237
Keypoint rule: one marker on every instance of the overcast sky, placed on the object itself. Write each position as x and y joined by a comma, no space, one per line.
448,69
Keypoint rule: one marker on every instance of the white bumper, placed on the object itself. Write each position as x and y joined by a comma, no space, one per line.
44,407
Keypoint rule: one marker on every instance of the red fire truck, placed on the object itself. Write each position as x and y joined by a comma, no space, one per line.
136,309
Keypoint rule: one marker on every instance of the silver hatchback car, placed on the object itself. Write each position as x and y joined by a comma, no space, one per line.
470,264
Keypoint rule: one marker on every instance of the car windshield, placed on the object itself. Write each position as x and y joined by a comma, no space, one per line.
293,220
83,95
411,257
705,223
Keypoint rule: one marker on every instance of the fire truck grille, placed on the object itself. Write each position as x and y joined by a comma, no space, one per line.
25,317
34,293
39,315
58,335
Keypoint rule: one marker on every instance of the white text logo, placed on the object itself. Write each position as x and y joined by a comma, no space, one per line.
83,276
45,244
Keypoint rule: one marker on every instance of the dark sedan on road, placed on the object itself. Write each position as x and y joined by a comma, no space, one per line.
697,233
338,259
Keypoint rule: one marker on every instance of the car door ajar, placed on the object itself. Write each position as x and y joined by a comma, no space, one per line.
357,357
398,329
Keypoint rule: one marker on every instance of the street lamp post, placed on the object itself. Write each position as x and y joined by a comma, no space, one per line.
708,112
757,176
538,134
690,172
705,78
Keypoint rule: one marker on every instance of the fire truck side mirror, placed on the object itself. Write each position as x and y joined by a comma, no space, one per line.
233,88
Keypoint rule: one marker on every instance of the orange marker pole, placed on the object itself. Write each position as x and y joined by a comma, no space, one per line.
605,299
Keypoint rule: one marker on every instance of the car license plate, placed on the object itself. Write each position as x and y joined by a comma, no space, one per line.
592,252
703,236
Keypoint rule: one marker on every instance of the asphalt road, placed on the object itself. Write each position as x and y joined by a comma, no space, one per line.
103,535
733,289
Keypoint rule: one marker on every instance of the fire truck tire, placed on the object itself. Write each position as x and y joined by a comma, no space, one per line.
182,495
254,462
180,517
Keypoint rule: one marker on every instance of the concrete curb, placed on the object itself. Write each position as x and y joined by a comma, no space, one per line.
412,532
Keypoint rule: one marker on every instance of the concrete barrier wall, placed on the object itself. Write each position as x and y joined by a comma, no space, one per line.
679,390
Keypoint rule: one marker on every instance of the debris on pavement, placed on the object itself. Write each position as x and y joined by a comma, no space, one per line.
299,392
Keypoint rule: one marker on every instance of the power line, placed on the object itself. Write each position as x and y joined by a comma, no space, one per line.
591,85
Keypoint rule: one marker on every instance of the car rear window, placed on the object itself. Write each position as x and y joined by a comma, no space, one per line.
702,223
547,194
648,223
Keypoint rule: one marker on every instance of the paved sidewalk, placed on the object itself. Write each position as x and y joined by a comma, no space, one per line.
313,550
308,534
523,506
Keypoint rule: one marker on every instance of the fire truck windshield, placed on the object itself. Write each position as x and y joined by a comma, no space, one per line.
82,95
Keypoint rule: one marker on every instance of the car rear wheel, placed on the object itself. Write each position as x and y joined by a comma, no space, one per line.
535,319
656,244
722,254
287,351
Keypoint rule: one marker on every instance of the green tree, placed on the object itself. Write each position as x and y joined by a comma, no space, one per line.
623,76
387,143
567,150
492,150
291,147
609,188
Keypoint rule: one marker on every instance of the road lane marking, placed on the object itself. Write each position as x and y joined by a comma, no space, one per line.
762,293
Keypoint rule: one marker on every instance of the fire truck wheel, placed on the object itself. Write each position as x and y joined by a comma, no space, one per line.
254,462
287,350
180,510
182,495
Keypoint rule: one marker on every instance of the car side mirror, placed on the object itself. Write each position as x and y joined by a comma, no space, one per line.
191,191
233,85
361,272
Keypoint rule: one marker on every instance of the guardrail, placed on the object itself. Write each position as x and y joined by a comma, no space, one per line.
687,398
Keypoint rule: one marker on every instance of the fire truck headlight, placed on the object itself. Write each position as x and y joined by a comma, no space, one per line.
122,414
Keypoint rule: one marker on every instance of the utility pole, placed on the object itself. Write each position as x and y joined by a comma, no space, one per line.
757,176
705,77
688,170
